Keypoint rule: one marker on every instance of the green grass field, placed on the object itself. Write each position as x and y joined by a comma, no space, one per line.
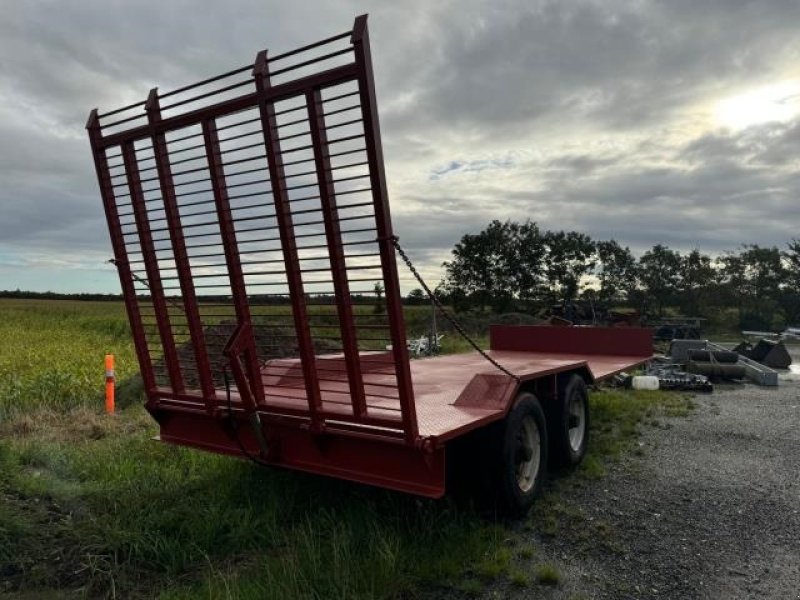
90,506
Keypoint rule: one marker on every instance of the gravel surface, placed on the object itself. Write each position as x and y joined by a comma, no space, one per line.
708,508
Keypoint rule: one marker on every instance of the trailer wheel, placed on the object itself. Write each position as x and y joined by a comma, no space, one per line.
523,455
569,422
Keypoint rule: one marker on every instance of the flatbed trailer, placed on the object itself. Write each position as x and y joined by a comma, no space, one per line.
250,225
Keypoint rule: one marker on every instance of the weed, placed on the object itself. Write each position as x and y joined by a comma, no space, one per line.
547,574
494,564
519,578
526,553
470,587
592,467
550,525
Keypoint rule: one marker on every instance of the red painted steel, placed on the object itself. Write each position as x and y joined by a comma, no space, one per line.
286,90
172,215
373,460
228,234
283,214
120,254
334,240
262,223
369,107
344,179
609,341
151,266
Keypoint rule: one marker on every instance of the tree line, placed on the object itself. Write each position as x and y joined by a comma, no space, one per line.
519,266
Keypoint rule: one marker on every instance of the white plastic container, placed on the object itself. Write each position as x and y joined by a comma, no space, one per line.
645,382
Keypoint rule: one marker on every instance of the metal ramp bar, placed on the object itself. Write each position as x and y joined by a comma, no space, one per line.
151,267
120,252
334,239
172,216
372,136
283,215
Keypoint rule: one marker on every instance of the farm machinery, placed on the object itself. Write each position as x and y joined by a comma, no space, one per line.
250,225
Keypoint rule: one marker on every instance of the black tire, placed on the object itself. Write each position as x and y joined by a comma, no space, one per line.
516,492
565,452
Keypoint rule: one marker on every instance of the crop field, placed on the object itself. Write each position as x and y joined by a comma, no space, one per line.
90,506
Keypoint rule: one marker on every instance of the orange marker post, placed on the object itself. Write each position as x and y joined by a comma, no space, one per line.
110,384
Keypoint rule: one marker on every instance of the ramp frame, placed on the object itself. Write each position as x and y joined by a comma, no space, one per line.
214,257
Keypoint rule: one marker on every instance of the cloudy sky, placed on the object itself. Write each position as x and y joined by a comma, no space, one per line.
672,122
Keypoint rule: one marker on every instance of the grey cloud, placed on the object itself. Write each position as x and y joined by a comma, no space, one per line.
582,164
622,63
706,196
464,83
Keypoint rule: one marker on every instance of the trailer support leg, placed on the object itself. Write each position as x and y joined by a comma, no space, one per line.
234,350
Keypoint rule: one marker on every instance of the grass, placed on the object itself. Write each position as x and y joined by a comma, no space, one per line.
130,514
52,352
547,574
617,414
89,504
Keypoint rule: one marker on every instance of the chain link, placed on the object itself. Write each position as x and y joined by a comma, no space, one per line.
445,313
146,283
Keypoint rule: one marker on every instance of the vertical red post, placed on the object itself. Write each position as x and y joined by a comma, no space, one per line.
161,155
230,247
341,286
121,255
283,215
394,306
151,268
110,381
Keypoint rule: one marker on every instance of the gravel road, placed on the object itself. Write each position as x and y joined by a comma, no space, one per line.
710,508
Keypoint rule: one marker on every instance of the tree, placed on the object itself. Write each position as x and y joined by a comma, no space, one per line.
570,257
698,274
416,296
754,279
617,272
527,261
379,306
790,298
660,275
481,267
733,281
764,271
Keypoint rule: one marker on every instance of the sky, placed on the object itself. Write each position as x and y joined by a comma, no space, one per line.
673,122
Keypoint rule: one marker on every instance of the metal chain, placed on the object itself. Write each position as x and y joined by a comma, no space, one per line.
456,325
146,283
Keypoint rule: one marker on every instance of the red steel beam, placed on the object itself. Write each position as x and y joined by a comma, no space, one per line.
120,255
283,216
230,247
394,307
333,235
161,156
584,341
351,455
273,94
151,267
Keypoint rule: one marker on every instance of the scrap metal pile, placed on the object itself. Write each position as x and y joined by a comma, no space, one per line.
695,365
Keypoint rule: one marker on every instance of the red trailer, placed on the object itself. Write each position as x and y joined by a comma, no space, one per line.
251,231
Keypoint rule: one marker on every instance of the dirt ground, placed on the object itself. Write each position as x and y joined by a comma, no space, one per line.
708,507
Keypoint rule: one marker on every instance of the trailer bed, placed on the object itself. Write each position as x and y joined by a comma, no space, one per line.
456,393
453,393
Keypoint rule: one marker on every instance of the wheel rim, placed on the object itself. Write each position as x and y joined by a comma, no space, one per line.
577,421
527,455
